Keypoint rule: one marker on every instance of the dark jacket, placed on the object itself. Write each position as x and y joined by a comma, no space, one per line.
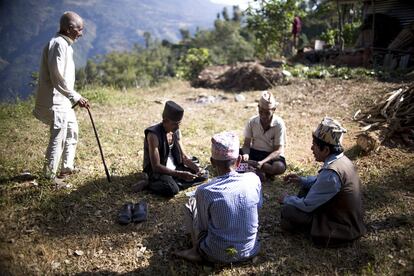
341,218
163,148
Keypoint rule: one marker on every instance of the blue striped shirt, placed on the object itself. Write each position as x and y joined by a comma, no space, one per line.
227,209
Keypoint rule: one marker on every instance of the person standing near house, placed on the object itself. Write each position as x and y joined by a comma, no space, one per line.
55,96
296,29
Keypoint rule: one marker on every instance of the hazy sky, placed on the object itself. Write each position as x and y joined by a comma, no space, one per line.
241,3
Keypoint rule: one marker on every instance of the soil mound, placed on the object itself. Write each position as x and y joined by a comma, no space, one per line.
240,77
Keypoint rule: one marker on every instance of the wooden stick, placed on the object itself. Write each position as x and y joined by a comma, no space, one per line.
108,176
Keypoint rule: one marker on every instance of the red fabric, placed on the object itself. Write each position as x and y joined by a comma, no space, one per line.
297,25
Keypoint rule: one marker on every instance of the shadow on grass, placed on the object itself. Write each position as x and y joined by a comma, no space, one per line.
91,211
92,208
386,189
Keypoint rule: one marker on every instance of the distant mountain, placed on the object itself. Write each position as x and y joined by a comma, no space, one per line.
27,25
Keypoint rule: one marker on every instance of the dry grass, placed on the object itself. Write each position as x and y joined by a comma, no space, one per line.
41,228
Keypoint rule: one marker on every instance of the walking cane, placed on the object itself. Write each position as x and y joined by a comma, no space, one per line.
108,176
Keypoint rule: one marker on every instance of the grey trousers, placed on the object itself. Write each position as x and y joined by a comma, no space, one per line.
295,220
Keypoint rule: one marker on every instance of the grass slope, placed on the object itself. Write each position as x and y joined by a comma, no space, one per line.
74,231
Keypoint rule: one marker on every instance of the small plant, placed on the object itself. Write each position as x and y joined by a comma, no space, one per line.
329,36
231,252
193,63
322,72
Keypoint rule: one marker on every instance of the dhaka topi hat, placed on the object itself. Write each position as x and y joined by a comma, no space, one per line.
225,146
173,111
330,131
267,100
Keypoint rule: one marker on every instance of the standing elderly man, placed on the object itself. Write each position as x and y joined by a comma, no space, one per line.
329,205
168,167
265,139
55,96
223,216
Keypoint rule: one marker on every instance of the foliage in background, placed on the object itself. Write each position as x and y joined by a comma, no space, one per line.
271,23
330,36
140,67
332,71
192,63
350,33
321,21
261,32
320,16
322,72
228,43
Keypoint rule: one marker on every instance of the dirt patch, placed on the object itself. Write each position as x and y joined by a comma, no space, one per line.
240,77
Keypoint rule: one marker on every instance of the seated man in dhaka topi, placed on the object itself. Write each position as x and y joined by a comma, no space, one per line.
168,167
222,217
265,139
329,205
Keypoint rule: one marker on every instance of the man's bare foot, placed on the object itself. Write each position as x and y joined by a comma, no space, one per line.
189,254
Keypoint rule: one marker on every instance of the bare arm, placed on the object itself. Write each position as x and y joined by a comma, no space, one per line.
154,155
246,149
186,160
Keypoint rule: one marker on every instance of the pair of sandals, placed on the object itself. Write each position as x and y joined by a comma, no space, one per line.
133,213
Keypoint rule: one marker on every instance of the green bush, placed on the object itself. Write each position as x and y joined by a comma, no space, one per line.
329,36
350,33
193,63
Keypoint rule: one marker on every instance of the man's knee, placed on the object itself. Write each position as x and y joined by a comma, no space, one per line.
287,211
293,219
286,217
164,186
277,168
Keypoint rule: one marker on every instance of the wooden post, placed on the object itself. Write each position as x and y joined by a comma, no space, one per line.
341,35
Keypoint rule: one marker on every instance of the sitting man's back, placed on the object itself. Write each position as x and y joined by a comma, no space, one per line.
223,216
232,220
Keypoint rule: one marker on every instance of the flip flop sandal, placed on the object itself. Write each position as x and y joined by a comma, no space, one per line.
125,214
140,212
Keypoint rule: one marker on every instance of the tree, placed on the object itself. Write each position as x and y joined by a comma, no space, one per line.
193,62
225,14
271,24
228,43
237,14
91,72
147,38
185,34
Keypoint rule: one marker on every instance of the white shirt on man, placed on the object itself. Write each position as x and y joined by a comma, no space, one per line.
55,90
266,140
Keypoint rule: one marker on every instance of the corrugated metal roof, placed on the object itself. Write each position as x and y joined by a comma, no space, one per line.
346,1
401,9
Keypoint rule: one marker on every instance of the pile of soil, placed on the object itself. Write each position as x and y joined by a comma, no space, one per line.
240,77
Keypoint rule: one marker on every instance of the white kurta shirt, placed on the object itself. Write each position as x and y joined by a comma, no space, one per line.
55,91
269,139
